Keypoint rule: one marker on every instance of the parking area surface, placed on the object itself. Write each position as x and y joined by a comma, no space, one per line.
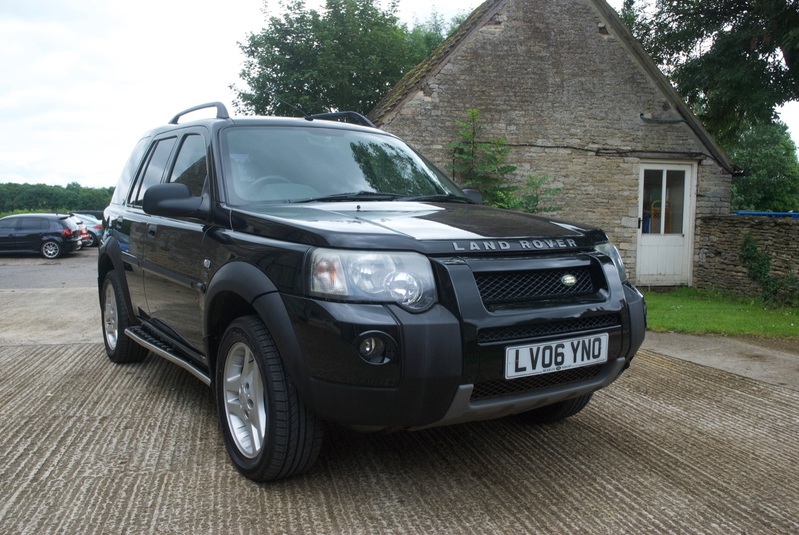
87,446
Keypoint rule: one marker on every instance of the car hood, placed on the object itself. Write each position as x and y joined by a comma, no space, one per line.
414,225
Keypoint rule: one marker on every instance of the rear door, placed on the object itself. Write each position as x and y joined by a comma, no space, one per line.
132,226
30,232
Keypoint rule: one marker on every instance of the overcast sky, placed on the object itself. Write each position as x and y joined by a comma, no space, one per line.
83,79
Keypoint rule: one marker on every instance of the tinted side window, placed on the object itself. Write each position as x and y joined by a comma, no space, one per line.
154,170
33,223
190,165
8,226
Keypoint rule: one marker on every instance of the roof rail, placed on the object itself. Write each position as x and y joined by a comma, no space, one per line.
221,111
332,116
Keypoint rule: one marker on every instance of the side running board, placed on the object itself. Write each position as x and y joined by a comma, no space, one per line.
148,341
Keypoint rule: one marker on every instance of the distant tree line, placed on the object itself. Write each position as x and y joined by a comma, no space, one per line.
16,198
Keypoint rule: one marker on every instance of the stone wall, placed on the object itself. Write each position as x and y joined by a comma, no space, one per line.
569,98
718,251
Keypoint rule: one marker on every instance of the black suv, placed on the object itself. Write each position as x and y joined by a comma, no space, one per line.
50,235
310,270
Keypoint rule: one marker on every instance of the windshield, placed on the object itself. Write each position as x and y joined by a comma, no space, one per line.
296,164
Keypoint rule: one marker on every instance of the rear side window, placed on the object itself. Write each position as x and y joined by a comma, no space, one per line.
129,172
28,224
153,172
190,165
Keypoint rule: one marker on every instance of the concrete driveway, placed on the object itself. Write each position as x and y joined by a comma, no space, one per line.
91,447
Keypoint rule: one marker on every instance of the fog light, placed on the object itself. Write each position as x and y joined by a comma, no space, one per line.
376,348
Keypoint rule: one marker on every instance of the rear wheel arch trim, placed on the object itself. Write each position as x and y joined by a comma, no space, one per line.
111,252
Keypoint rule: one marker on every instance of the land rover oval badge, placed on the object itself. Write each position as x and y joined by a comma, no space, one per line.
569,280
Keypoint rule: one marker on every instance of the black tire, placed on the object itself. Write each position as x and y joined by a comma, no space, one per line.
93,241
51,250
557,411
115,318
268,432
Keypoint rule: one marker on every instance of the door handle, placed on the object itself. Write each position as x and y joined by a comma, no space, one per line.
151,229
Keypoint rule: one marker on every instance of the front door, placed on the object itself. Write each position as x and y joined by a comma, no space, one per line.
665,244
8,234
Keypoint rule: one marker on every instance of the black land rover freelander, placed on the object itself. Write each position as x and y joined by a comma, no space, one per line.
312,270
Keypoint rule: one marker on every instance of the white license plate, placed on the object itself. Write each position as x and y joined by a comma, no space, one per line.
523,361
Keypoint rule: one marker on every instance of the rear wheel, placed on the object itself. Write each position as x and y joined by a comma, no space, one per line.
557,411
268,432
51,250
116,318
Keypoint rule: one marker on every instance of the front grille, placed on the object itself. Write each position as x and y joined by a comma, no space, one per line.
500,288
494,389
550,328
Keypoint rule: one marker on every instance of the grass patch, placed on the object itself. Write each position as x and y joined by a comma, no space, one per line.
686,310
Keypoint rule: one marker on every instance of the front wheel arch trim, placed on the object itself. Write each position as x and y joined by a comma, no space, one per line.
253,286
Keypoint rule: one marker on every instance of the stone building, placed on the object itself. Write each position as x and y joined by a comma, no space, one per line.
582,104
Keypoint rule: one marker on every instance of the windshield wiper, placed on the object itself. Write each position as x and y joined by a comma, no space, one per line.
440,197
354,196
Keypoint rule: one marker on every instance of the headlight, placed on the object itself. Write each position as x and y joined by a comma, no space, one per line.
610,250
402,278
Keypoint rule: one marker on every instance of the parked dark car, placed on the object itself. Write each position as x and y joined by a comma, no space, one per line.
51,235
313,271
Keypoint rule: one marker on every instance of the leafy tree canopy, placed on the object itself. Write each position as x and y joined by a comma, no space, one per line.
771,180
345,57
734,61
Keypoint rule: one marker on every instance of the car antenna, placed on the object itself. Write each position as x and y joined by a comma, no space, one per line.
295,108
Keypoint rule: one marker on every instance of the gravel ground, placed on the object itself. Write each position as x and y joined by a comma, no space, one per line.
87,446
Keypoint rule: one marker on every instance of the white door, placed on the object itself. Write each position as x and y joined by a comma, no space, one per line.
666,224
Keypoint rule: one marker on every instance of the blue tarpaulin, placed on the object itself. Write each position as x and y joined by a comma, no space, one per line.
794,215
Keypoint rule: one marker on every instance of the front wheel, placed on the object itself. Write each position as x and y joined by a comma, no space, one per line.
268,432
557,411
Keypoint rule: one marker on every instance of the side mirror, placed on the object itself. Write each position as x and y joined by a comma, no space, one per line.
473,195
172,200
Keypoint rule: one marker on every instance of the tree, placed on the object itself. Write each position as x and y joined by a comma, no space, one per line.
345,58
483,165
734,61
767,155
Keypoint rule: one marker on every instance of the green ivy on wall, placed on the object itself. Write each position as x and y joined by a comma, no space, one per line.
775,290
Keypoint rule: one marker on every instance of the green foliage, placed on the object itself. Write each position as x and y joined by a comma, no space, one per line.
734,61
16,198
345,57
688,310
483,165
774,291
767,155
